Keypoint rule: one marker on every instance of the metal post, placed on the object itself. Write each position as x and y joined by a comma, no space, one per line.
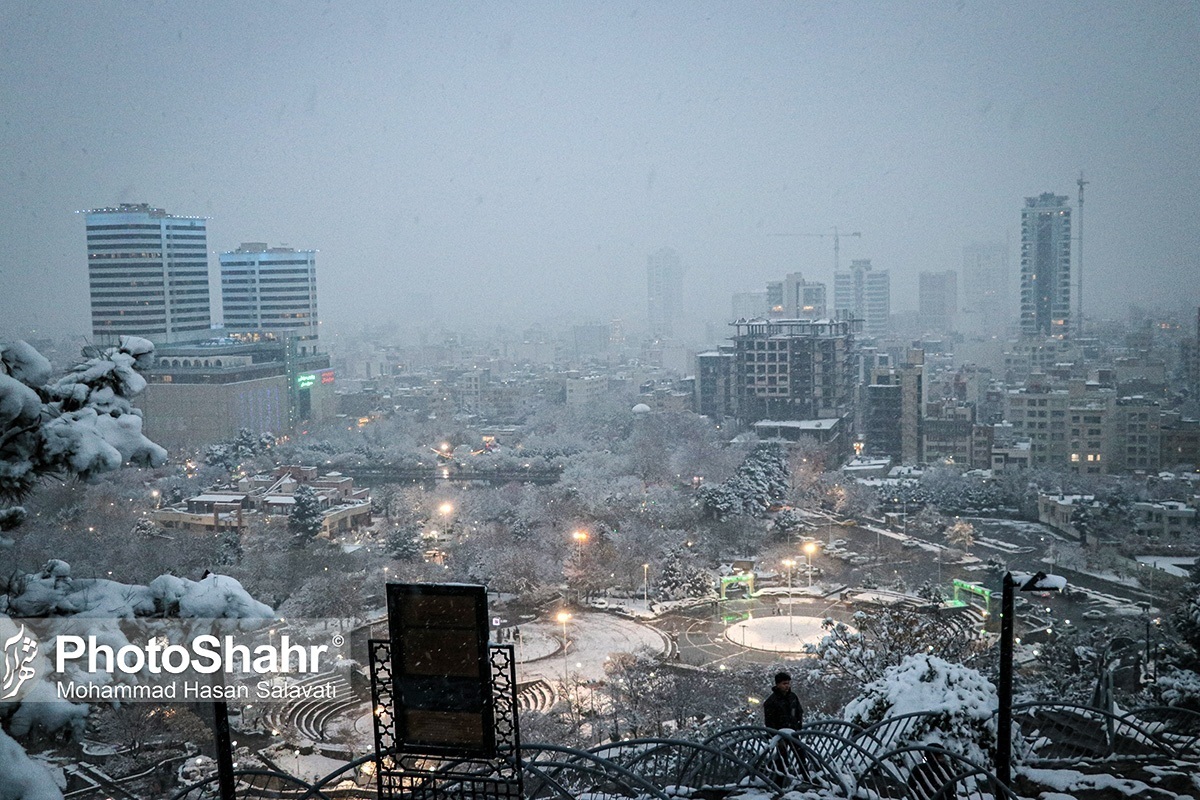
224,746
1004,721
646,586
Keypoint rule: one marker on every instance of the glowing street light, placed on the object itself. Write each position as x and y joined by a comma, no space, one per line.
446,509
809,549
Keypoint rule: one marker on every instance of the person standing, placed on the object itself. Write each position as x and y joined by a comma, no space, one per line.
782,708
782,711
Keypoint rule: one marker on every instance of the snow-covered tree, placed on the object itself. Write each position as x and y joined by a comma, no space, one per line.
305,519
762,481
680,577
82,424
404,543
884,637
960,702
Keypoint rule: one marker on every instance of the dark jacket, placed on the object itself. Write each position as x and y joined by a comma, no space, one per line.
782,710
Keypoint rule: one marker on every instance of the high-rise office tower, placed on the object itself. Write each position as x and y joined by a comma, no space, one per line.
148,274
664,292
986,293
271,290
865,294
937,300
1046,266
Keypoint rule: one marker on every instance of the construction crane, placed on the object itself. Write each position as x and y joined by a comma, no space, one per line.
837,241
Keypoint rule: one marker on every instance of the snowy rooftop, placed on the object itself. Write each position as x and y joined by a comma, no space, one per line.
802,424
219,498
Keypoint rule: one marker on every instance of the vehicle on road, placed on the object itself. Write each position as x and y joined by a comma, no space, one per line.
1094,613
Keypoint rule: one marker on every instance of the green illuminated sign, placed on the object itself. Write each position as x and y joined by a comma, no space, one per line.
306,380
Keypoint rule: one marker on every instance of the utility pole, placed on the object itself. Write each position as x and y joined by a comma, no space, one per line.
837,242
1079,263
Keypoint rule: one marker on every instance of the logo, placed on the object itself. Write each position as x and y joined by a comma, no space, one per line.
19,652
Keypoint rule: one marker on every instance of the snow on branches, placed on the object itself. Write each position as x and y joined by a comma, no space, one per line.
759,483
82,424
957,704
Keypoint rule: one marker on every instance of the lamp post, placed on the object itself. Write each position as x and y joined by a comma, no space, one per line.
809,549
1026,583
646,585
563,617
789,563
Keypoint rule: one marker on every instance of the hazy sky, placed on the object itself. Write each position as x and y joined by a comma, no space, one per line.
500,161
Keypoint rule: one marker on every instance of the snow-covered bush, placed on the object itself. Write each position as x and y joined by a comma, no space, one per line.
958,705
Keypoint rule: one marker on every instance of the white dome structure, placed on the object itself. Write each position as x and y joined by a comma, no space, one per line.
641,408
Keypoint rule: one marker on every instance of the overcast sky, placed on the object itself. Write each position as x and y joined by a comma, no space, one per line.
498,162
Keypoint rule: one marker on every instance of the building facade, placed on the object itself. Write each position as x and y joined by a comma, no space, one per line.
147,274
803,299
794,370
986,296
1046,266
664,292
937,301
201,393
866,294
271,290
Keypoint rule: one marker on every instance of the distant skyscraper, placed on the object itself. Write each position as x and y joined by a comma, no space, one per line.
865,294
986,296
938,300
271,290
148,274
1046,266
664,292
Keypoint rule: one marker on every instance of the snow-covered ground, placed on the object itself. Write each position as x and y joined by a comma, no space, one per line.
1171,565
777,634
591,637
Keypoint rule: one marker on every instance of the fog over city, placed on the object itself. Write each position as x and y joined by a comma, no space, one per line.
494,164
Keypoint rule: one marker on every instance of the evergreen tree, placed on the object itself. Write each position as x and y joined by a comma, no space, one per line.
403,542
230,549
305,519
671,579
759,483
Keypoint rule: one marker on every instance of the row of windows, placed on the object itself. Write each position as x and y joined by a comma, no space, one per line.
127,303
129,313
129,226
267,263
100,237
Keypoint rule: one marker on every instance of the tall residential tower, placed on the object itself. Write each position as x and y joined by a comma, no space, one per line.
986,292
1046,266
664,292
148,274
865,294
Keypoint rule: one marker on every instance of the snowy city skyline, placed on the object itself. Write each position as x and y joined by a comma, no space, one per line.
484,165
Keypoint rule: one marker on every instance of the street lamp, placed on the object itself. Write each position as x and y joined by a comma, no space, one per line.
563,617
789,563
1039,582
646,586
809,549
